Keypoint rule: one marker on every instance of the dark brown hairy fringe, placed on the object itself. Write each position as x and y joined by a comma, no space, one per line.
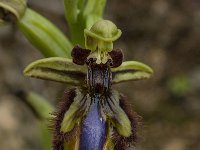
123,143
58,115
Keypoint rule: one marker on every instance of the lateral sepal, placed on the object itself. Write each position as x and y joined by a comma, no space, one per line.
57,69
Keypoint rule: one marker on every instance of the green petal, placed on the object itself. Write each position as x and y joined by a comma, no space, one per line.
57,69
131,70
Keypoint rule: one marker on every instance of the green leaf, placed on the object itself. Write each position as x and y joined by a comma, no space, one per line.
71,10
57,69
94,11
45,36
131,70
39,106
95,7
75,20
82,14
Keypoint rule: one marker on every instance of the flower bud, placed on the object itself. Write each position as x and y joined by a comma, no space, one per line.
11,10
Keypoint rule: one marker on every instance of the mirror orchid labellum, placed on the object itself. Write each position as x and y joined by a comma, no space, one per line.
93,116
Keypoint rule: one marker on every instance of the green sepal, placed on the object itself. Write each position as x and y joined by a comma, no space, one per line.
131,70
11,10
57,69
44,35
103,31
91,19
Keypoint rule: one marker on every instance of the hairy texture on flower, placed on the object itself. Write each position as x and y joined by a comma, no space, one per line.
123,143
59,137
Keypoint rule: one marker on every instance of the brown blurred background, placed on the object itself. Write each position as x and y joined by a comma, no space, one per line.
164,34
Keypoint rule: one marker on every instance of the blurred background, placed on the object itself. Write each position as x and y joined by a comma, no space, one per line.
164,34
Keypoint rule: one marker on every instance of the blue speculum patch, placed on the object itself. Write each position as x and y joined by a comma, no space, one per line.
93,133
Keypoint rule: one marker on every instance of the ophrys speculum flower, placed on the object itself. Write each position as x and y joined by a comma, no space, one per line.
93,116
